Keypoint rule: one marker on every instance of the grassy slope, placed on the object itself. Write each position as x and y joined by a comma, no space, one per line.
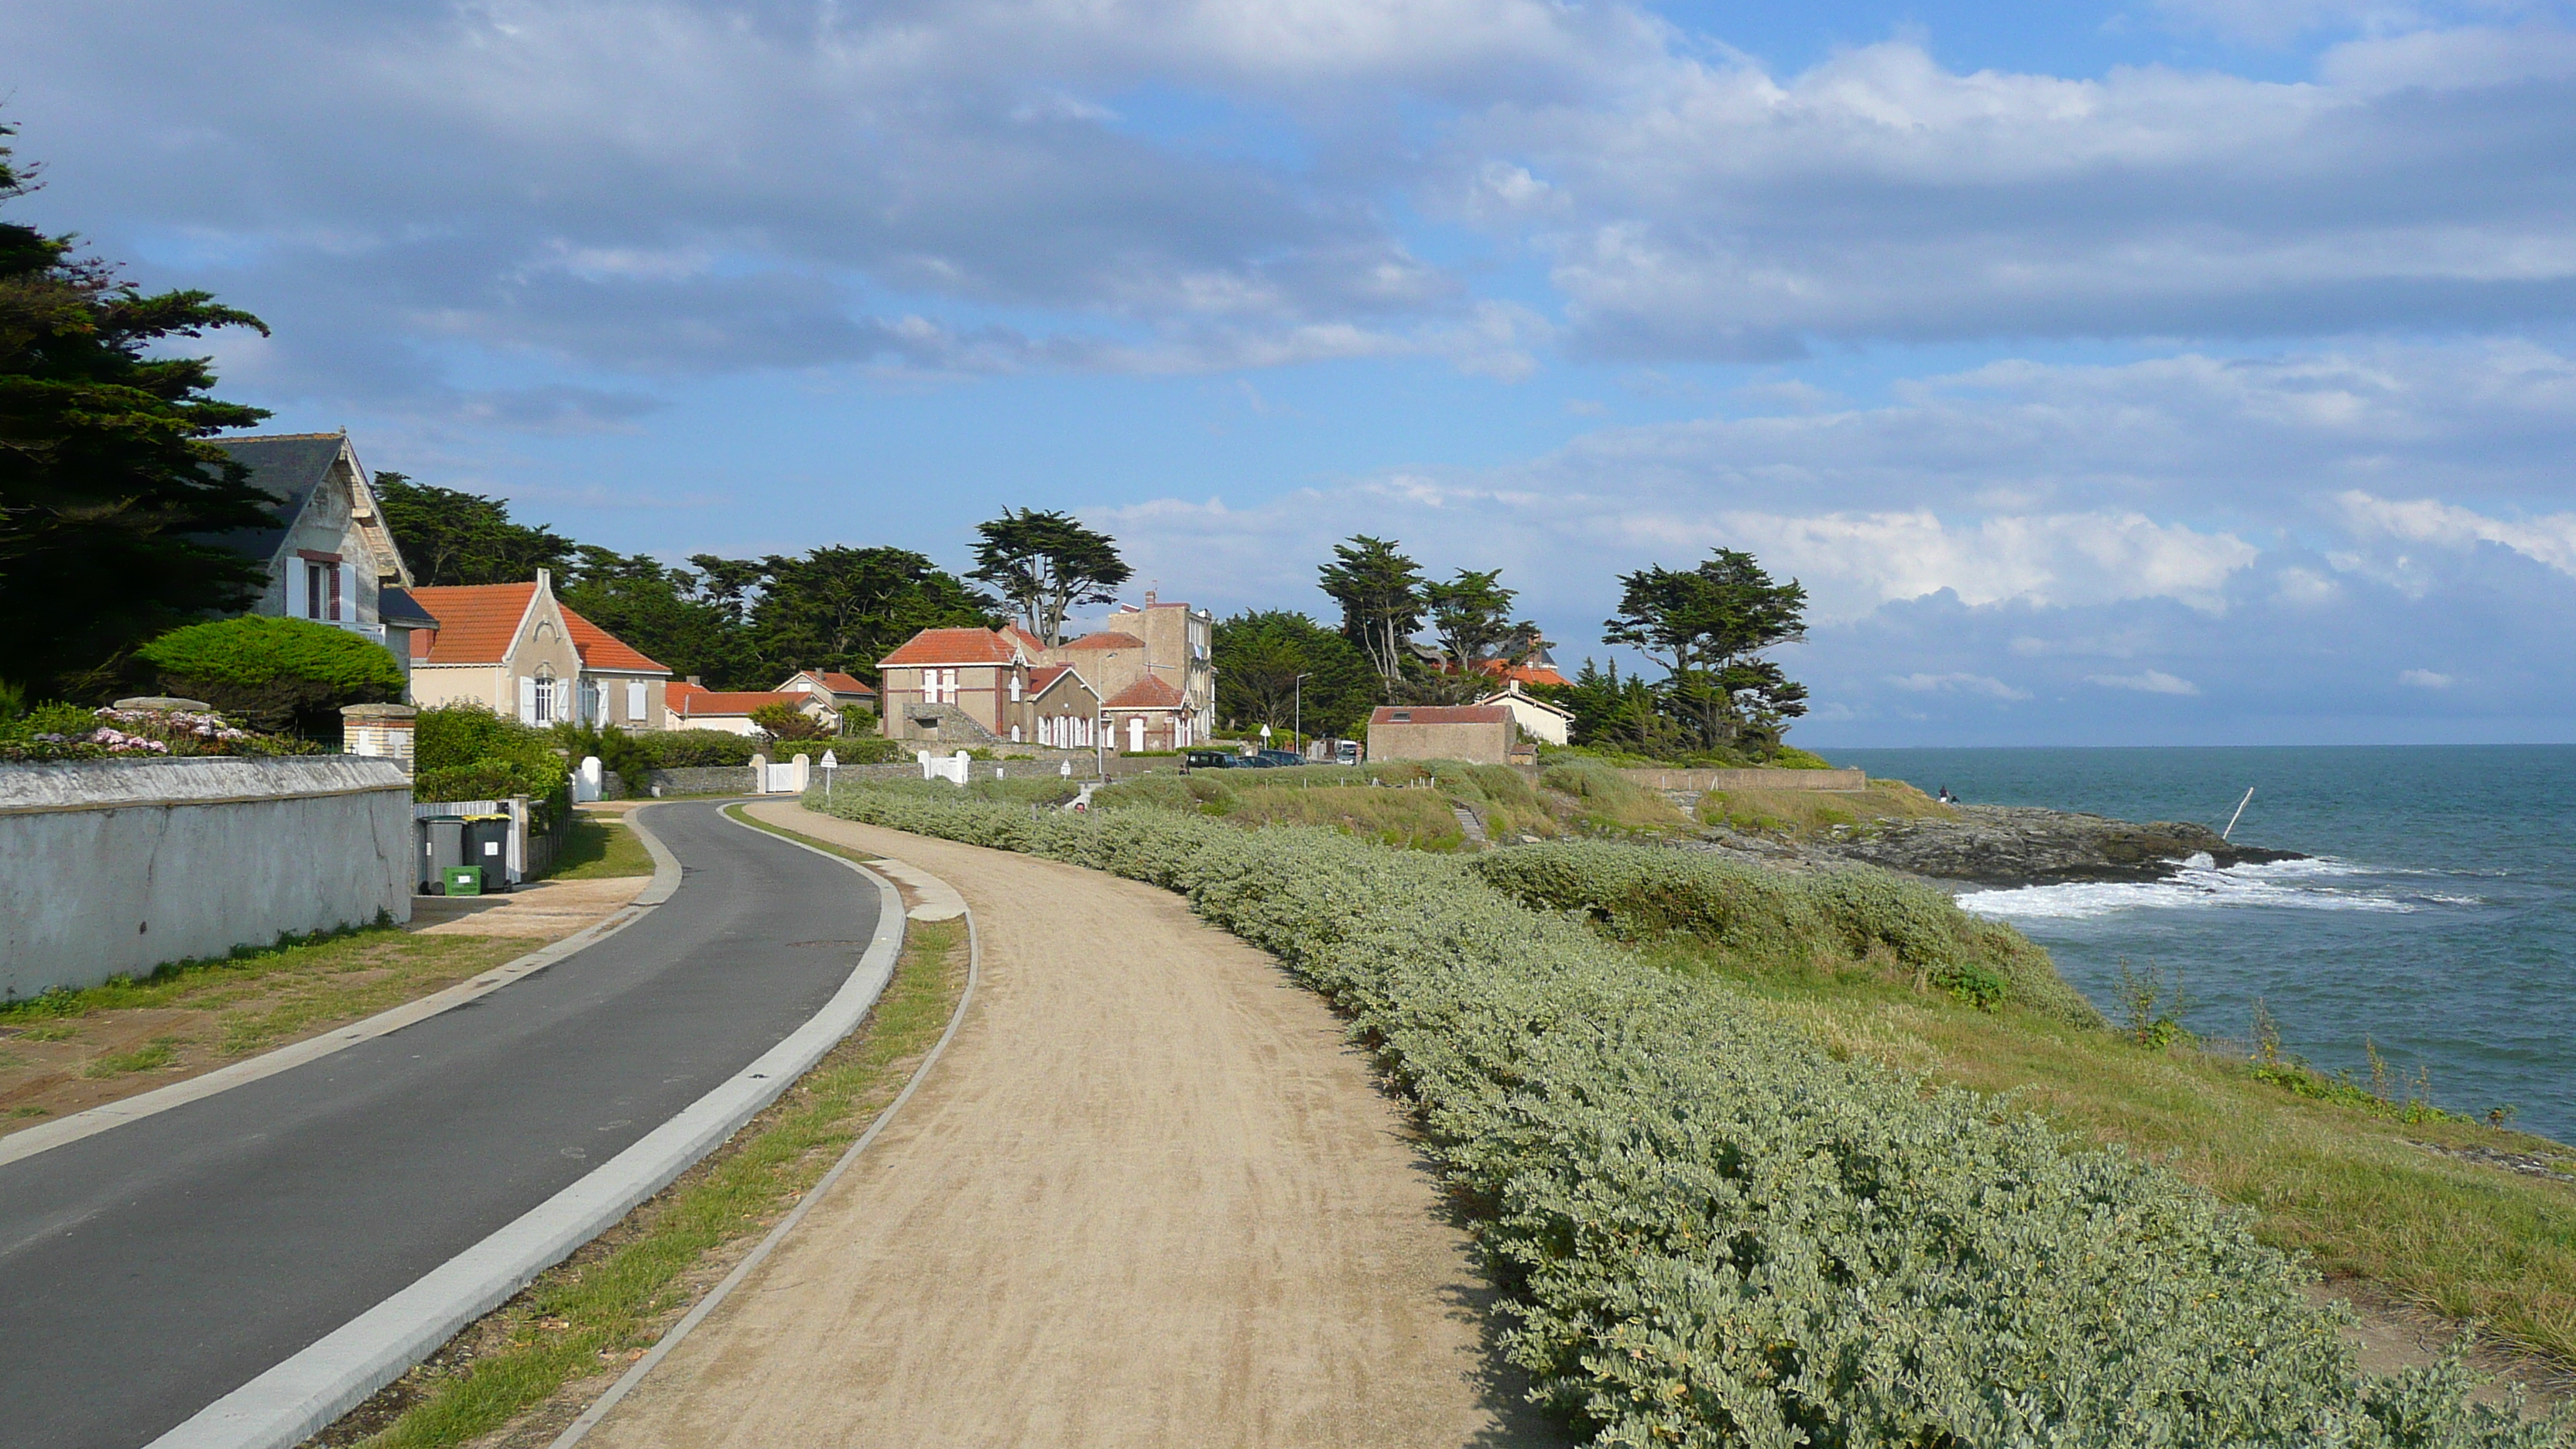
600,846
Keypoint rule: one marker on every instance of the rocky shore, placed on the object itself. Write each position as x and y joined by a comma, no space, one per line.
2008,845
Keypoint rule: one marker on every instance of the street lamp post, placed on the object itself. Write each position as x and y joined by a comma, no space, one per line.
1297,711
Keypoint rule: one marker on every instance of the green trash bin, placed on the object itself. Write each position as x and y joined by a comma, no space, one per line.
463,880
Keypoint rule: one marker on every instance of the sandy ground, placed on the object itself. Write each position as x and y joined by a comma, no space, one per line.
1149,1197
547,909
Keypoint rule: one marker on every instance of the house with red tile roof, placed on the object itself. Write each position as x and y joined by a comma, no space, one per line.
1110,688
830,689
958,686
517,650
688,705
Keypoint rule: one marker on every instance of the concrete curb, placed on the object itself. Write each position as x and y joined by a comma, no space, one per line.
18,1146
293,1400
580,1428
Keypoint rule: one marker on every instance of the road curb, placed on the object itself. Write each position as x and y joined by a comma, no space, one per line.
18,1146
300,1396
580,1428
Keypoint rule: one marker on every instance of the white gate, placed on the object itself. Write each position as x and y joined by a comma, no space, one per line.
781,781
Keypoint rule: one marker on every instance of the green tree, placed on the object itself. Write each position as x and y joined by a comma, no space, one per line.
847,608
1258,656
1044,564
785,722
452,537
1618,713
1471,615
109,492
1380,591
668,613
278,674
1708,627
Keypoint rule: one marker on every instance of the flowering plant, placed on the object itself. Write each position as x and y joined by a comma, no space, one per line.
68,732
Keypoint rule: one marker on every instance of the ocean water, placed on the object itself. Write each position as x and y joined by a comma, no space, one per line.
2437,918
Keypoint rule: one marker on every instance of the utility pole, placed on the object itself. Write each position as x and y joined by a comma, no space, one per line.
1297,711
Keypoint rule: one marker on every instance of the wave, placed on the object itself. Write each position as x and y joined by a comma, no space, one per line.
2305,885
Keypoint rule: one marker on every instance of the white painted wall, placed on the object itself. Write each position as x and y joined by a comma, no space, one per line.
113,868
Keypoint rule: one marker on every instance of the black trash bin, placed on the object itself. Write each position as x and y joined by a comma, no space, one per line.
442,844
487,844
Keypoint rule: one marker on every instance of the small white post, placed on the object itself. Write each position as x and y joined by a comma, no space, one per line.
831,762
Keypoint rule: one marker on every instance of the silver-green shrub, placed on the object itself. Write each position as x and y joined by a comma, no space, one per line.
1710,1232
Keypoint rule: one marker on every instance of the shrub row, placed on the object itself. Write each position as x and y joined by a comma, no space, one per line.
1776,918
1710,1232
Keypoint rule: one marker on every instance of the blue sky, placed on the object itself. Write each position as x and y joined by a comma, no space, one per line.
2192,371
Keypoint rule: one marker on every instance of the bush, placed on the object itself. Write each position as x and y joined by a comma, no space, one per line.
695,749
785,722
466,752
275,673
69,732
1711,1232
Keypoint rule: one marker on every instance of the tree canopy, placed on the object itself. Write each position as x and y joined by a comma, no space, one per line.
1046,564
1380,591
449,536
279,674
847,608
108,489
1471,615
1258,657
1708,626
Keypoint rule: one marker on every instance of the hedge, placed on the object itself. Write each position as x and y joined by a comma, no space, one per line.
1708,1231
274,671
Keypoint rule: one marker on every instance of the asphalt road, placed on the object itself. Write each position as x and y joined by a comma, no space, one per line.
149,1270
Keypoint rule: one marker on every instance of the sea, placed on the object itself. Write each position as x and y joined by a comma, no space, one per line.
2435,918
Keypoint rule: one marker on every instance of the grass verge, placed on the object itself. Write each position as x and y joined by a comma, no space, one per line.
540,1358
72,1050
1819,812
601,847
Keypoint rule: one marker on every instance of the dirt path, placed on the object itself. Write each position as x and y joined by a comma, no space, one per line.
1148,1197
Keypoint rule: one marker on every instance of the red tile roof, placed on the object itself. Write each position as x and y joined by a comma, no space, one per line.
951,646
1107,639
1022,637
1525,673
840,683
1146,693
600,649
476,622
1042,680
1441,714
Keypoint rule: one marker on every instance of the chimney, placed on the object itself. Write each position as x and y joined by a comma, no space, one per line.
693,679
545,581
1149,598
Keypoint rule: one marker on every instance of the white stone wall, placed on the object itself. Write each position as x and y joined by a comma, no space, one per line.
113,868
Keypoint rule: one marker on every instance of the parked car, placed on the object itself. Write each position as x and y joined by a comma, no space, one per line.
1209,760
1347,752
1279,759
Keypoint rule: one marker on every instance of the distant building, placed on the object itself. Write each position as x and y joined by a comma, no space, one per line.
688,705
329,556
830,689
517,650
1538,719
1144,678
1481,734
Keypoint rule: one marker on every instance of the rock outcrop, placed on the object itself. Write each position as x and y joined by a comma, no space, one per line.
2008,845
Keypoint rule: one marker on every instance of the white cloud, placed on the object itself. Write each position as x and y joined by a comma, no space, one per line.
2549,539
2423,679
1984,684
2152,681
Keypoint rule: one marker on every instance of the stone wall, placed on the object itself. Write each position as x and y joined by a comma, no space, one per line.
115,867
698,780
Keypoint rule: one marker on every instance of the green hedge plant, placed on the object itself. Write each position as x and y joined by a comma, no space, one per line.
275,674
1709,1231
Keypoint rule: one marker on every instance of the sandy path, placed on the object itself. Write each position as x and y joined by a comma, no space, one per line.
1148,1197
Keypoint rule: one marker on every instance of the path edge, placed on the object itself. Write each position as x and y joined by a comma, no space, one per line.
21,1145
590,1418
308,1391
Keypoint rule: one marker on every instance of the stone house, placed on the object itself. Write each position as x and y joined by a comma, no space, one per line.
958,686
1179,649
1538,719
517,650
1482,734
330,557
1064,710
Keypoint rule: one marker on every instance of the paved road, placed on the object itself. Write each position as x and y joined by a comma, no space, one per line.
150,1270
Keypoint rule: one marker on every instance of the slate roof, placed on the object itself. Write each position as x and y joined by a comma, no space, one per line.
1107,639
287,467
951,646
1146,693
400,610
1440,714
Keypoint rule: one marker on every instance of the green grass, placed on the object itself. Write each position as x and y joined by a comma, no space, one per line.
1819,812
2351,1184
591,1313
264,995
153,1055
601,847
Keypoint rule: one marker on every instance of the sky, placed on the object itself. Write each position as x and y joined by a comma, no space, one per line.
2175,372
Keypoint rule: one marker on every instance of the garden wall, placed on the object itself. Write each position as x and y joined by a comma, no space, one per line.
113,867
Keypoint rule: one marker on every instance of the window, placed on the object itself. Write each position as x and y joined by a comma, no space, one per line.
590,701
544,700
1015,686
635,699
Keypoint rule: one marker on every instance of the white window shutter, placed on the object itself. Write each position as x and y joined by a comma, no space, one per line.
527,699
635,699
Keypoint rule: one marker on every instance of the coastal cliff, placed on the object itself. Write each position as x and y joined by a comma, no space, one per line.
1999,846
